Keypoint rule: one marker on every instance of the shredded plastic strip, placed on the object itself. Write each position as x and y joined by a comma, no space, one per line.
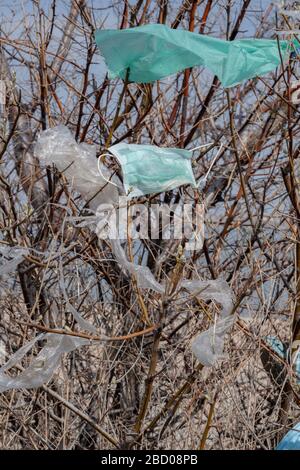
43,365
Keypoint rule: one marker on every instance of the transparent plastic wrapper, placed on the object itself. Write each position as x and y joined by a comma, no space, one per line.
143,275
291,440
149,169
10,258
79,164
43,365
209,345
218,290
153,51
79,319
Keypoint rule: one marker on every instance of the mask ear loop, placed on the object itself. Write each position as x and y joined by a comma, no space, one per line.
200,147
203,179
100,172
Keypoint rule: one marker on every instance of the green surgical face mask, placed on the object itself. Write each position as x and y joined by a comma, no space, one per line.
154,51
149,169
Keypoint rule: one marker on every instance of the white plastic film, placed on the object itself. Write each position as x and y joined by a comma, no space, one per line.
79,164
43,365
209,345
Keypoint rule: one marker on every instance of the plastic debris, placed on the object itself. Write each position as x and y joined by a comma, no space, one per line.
43,365
276,345
80,320
78,162
154,51
291,440
10,258
143,275
209,345
150,169
284,352
217,290
58,146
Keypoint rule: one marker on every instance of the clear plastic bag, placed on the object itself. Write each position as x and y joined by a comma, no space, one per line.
209,345
79,164
10,258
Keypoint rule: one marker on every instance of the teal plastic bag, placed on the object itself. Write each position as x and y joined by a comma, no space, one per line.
150,169
154,51
277,346
283,352
291,440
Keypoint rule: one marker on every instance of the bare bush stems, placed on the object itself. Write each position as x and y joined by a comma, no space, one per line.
137,384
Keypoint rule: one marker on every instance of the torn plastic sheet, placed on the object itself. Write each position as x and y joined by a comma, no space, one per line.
291,441
143,275
11,257
80,320
209,345
43,365
154,51
217,290
79,164
150,169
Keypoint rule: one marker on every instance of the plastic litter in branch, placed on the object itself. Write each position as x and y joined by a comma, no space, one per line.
291,440
78,162
284,352
209,345
43,365
154,51
10,258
